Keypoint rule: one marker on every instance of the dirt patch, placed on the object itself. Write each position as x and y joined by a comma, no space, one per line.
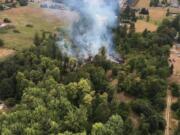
135,119
142,4
142,25
6,52
122,97
158,13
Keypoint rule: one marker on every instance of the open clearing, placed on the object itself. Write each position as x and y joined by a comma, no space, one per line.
142,4
156,14
6,52
22,16
141,25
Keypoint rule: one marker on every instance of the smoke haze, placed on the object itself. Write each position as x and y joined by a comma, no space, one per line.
92,31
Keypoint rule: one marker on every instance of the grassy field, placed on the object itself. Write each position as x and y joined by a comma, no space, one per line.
141,25
142,4
21,17
156,14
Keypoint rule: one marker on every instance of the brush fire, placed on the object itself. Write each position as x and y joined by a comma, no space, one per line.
92,30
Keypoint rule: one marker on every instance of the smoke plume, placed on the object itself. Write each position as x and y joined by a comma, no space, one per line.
93,29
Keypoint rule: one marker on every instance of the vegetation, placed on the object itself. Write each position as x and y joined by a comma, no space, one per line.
154,3
57,94
1,43
23,2
176,108
22,21
175,88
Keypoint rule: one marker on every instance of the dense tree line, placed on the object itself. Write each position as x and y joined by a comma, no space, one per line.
59,95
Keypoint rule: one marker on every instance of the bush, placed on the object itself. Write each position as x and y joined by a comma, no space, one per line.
7,20
29,25
10,102
1,43
16,31
1,7
144,11
175,88
23,2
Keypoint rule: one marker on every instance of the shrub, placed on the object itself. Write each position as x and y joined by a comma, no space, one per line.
23,2
144,11
16,31
1,43
29,25
10,102
7,20
175,88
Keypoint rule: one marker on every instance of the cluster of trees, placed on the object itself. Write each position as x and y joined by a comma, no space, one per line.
175,88
176,108
154,3
23,2
128,15
144,76
144,11
57,94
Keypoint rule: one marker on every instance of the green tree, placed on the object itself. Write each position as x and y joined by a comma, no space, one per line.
23,2
1,43
114,125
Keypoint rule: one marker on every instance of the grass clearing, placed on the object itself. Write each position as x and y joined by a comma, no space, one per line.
157,14
6,52
20,17
141,25
142,4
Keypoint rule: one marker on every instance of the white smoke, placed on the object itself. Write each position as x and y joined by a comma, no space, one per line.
93,29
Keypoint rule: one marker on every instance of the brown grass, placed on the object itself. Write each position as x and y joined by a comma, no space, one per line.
142,25
157,14
122,97
142,3
6,52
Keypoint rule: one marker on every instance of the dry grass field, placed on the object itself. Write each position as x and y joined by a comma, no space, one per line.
157,14
23,16
6,52
141,25
142,4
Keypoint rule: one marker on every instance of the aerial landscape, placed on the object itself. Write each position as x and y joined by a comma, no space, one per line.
89,67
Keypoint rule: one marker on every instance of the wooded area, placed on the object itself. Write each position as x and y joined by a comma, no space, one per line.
51,93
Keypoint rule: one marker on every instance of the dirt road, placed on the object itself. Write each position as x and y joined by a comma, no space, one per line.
175,77
168,112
